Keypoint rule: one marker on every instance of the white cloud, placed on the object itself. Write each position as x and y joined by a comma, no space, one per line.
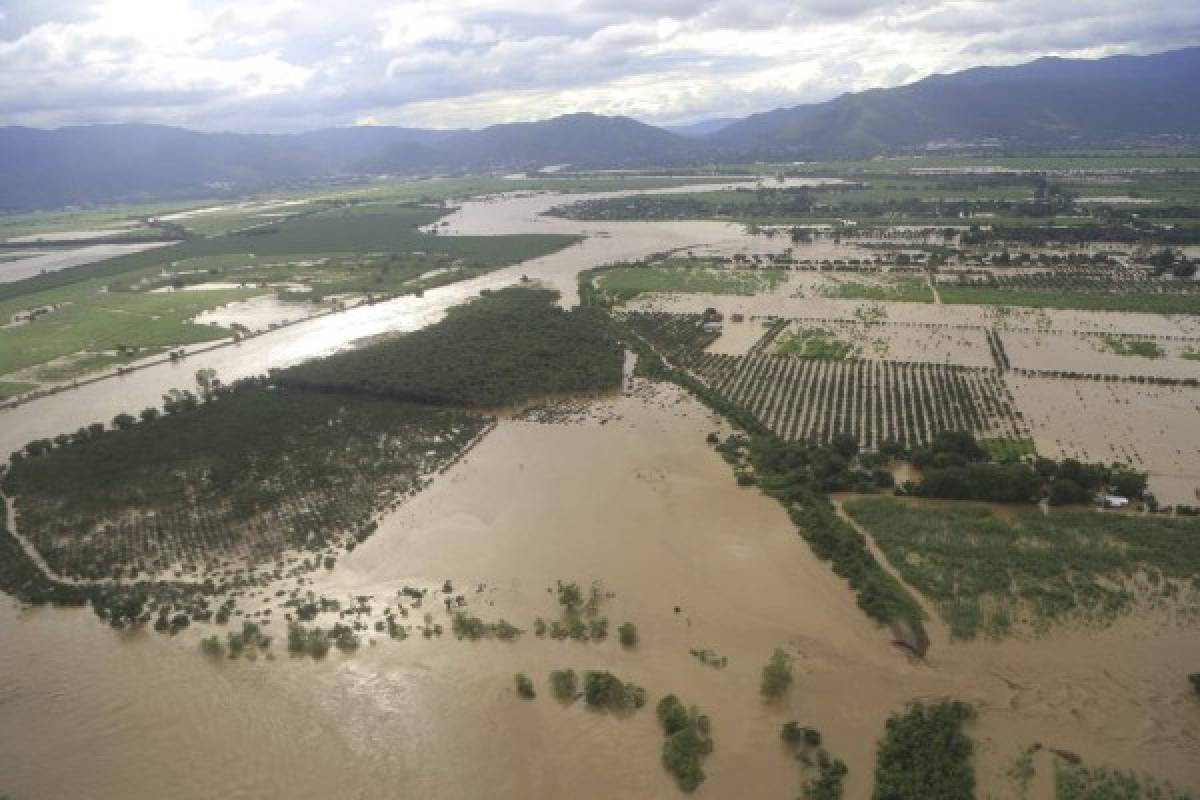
292,64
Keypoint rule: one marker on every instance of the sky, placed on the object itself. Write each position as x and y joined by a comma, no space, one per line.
291,65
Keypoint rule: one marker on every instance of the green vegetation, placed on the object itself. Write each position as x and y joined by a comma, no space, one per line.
302,641
1008,450
13,388
925,755
1123,346
111,321
602,689
365,228
251,469
990,574
776,675
689,740
955,466
891,290
684,276
831,772
1146,302
1077,782
1194,679
524,685
827,784
794,733
816,343
628,634
564,684
503,348
469,626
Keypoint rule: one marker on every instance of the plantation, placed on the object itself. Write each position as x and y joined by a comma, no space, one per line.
996,576
252,472
506,347
925,755
873,401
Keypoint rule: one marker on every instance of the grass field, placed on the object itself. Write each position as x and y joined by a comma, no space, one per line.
1088,301
382,228
816,343
1143,348
101,321
365,249
895,290
702,280
994,575
12,388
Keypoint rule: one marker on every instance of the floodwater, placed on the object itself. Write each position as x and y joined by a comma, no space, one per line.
101,401
644,505
639,502
63,259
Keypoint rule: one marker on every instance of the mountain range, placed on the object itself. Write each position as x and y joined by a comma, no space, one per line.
1045,104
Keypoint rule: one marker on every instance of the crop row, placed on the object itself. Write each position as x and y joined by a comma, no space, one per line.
802,399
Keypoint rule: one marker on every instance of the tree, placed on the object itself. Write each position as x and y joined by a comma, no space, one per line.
149,414
524,685
124,421
777,674
1128,483
628,634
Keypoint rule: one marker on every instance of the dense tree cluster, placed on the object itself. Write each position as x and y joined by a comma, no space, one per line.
689,740
926,755
505,347
252,468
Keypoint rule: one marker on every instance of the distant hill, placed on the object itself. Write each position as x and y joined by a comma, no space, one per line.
1051,102
702,128
96,164
1044,104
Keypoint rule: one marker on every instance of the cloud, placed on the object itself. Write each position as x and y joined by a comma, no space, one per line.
276,65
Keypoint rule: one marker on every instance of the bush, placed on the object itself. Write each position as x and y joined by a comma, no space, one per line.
795,733
524,685
1195,680
211,646
628,634
831,772
925,755
602,689
777,674
688,741
564,684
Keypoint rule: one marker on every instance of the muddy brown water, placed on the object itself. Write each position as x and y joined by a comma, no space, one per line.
642,503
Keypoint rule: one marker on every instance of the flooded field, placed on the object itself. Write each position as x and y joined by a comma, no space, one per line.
628,493
1147,426
656,516
64,259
